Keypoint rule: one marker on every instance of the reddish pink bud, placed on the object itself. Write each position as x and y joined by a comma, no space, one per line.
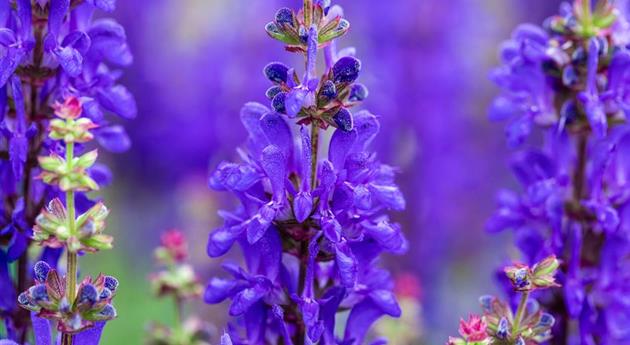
174,242
69,109
474,329
407,285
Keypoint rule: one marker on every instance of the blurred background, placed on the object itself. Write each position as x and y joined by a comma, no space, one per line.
425,63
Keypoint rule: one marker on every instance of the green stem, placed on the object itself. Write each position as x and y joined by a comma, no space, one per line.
519,313
71,270
308,13
588,29
179,314
586,8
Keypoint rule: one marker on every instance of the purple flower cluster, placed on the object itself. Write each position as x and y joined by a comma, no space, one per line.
312,218
568,81
51,50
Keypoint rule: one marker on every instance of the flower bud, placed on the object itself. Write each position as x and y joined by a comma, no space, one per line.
328,91
272,92
69,109
276,72
346,70
87,295
343,120
278,103
503,329
111,283
41,270
358,92
474,329
284,16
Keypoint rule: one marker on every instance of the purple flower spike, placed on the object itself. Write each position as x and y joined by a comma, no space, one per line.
313,214
568,83
66,59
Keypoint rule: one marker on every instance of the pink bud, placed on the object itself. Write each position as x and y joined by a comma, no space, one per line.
175,243
70,109
407,285
474,329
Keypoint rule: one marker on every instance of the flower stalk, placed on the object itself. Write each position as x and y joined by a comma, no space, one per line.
50,52
520,311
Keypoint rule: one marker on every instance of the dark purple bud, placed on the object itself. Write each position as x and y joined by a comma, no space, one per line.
108,312
111,283
521,278
284,16
328,90
358,92
546,320
579,56
343,119
272,28
303,35
24,300
569,112
346,70
41,270
277,72
570,76
502,329
273,91
38,292
486,302
88,294
602,45
105,294
278,103
572,22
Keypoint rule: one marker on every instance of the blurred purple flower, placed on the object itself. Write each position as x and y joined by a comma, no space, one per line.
574,186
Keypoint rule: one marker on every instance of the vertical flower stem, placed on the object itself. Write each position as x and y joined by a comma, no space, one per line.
586,9
179,313
308,13
519,313
588,29
71,268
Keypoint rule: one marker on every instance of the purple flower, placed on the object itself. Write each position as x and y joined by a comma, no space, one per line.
311,227
575,189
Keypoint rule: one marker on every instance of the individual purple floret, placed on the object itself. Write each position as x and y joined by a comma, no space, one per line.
312,220
568,81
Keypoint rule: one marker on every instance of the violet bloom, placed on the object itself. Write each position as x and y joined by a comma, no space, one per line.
312,220
569,81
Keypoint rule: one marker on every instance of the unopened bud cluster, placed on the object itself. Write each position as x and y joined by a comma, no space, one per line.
499,324
48,299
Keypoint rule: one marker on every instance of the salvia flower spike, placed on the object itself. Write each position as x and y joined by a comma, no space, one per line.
177,280
312,225
53,297
58,83
568,82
